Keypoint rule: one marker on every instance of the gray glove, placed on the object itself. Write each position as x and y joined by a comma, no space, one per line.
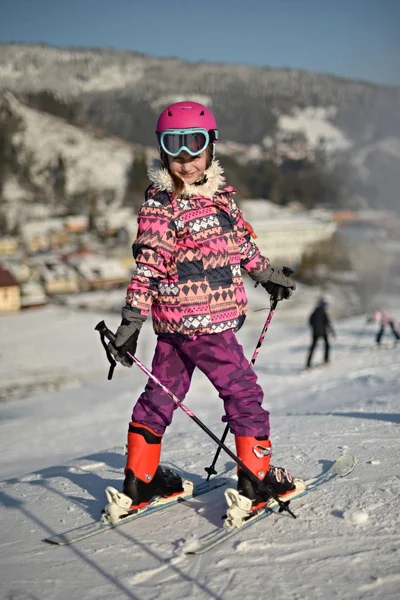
126,337
272,279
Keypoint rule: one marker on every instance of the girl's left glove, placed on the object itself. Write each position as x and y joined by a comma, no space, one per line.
126,337
272,279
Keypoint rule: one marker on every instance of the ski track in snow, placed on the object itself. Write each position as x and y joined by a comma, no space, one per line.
59,449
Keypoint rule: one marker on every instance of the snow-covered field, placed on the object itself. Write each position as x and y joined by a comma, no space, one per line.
62,432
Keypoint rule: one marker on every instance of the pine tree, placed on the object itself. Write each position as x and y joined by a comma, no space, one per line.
9,125
137,182
59,180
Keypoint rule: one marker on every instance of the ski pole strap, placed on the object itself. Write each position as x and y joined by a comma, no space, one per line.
110,357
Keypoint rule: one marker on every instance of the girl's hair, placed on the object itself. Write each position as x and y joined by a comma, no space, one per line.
179,184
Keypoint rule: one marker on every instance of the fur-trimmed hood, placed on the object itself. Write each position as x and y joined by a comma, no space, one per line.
215,182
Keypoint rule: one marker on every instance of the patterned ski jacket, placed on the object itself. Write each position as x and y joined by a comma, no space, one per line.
189,253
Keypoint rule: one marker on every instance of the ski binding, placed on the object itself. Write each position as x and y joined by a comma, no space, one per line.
118,507
239,507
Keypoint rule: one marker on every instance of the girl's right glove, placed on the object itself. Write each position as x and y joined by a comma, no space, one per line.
126,337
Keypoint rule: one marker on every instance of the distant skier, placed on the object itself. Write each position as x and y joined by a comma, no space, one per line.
191,245
321,327
384,319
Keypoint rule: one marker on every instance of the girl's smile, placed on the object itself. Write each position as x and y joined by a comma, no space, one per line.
189,168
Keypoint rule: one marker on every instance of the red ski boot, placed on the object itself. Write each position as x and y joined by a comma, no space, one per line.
255,453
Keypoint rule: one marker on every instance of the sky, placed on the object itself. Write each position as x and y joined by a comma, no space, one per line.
357,39
61,445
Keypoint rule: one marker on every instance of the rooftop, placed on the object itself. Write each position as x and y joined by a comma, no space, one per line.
7,279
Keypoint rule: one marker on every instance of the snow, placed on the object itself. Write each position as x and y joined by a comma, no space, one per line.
91,163
314,123
62,432
87,70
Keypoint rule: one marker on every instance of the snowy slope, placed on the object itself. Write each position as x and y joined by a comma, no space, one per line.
315,123
59,448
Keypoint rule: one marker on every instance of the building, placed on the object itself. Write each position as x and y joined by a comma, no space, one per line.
76,223
284,235
42,236
8,244
32,295
53,233
58,278
98,272
10,298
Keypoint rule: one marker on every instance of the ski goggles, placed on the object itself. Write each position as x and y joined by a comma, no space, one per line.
194,141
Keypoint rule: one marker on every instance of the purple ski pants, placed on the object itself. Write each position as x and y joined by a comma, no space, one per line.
220,357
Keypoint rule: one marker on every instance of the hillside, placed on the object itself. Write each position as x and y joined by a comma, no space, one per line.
355,125
48,148
116,87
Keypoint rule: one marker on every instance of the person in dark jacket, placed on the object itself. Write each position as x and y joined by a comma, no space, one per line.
321,327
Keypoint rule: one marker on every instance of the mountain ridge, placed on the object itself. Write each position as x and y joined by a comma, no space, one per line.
257,108
104,80
136,54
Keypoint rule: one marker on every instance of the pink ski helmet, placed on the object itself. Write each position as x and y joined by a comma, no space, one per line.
186,126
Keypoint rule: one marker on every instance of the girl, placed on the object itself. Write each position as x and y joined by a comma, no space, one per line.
385,320
191,245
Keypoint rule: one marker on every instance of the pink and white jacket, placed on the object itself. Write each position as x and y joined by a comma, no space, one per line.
189,253
382,317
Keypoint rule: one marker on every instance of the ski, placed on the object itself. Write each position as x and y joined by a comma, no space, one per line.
96,527
341,467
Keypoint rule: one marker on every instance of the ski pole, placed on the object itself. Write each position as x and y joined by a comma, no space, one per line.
283,506
274,301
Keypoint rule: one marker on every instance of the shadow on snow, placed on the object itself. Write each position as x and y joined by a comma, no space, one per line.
389,417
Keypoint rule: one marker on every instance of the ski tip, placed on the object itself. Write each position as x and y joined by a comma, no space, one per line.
55,542
350,460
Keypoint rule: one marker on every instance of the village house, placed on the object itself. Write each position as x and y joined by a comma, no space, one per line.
8,244
99,272
9,292
58,278
32,295
53,233
76,223
39,236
